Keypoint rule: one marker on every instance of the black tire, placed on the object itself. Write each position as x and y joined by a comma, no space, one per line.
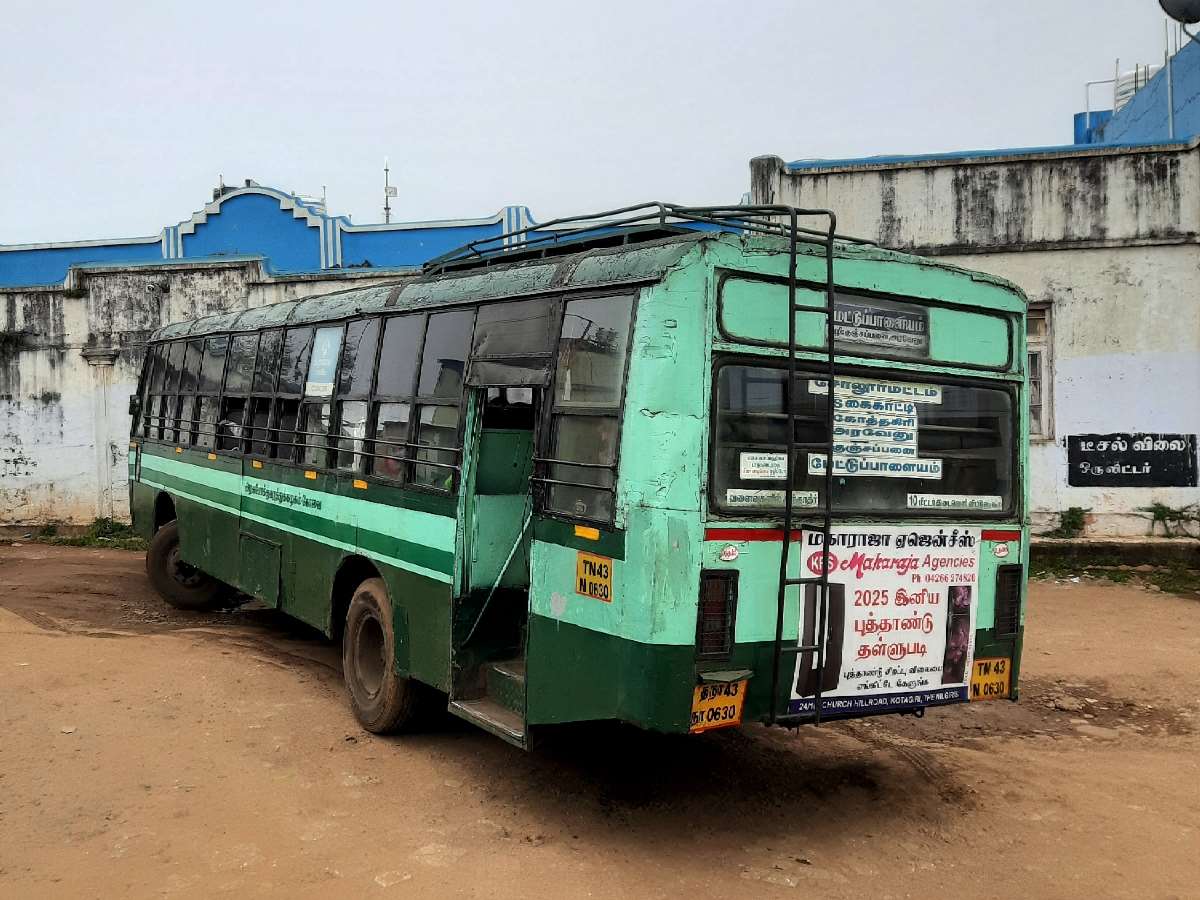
383,701
181,585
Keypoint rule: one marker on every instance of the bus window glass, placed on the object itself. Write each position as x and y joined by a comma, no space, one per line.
898,446
158,368
391,431
444,357
588,385
585,439
174,367
327,346
398,356
513,343
166,414
206,426
187,424
229,427
260,417
297,345
315,426
191,367
352,431
283,434
438,427
358,358
591,352
267,365
240,370
213,367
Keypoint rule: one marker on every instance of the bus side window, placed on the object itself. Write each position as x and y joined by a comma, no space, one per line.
354,389
394,387
212,370
169,407
588,388
151,424
293,367
439,397
239,371
316,419
187,392
262,389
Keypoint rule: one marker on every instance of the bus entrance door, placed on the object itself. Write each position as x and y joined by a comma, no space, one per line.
491,612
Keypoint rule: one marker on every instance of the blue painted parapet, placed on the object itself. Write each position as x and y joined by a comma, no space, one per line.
291,234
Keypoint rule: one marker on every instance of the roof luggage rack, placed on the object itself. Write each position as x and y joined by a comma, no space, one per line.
627,225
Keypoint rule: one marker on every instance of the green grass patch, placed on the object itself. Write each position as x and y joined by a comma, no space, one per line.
101,533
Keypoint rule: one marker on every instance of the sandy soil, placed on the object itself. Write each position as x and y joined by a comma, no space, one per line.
145,753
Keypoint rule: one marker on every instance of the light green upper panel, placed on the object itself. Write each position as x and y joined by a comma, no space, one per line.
755,311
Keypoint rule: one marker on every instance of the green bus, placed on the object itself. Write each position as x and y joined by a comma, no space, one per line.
678,467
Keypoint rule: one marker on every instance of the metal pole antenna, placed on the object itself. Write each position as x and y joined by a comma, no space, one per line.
387,193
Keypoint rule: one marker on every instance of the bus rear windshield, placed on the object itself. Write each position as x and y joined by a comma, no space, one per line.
898,446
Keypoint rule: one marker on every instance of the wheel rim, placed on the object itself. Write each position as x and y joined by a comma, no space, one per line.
183,573
368,655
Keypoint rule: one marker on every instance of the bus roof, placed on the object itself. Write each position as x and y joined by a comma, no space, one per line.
594,267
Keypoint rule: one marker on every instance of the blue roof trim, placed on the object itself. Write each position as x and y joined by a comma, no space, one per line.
1063,149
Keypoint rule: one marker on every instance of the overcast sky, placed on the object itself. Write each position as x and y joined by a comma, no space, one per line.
117,118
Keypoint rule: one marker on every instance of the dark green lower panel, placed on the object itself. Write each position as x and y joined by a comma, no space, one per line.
211,539
576,674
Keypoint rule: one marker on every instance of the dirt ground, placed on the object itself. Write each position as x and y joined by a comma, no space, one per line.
146,752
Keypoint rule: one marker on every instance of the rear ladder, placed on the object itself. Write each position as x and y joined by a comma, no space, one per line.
825,510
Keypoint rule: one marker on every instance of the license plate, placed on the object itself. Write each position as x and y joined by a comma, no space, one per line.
717,705
990,678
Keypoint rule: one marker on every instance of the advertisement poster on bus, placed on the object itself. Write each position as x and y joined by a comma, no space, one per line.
901,618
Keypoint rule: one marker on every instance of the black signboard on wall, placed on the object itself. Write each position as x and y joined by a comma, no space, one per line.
1131,460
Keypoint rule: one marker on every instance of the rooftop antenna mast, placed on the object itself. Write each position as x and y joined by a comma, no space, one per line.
388,193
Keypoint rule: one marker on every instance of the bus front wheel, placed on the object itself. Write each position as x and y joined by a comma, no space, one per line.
180,584
383,701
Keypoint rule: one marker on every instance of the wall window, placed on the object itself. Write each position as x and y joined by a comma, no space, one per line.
1040,370
588,386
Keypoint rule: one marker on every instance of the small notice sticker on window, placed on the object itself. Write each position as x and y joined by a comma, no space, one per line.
593,576
765,466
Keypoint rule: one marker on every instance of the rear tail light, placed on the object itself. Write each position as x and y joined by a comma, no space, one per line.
714,623
1008,601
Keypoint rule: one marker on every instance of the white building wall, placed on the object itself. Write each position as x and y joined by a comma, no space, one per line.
1126,358
1108,238
70,358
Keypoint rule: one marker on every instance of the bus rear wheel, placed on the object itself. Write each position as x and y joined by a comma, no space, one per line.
383,701
180,584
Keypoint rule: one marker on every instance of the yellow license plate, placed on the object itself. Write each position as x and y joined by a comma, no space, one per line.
990,678
717,705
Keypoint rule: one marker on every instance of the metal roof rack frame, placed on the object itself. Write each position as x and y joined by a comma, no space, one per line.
627,225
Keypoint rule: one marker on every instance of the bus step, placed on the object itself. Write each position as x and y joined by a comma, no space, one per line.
506,684
491,716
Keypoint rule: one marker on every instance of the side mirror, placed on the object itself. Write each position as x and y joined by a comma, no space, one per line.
135,405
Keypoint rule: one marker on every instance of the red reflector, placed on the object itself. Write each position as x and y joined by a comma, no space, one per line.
1001,536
